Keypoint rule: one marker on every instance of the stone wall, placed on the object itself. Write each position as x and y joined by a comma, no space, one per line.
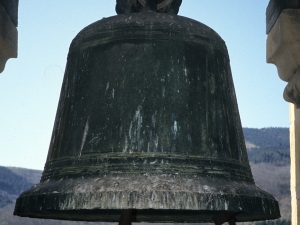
8,31
283,50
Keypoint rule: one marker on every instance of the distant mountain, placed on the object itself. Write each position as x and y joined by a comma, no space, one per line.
11,185
269,156
268,145
32,176
273,137
268,151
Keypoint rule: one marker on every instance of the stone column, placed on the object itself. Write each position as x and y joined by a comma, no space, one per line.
283,50
295,165
8,31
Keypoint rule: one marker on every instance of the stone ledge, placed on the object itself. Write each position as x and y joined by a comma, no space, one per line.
11,7
8,38
292,90
283,44
275,8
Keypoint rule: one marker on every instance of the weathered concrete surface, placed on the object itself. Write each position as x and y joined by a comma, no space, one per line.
283,49
11,7
295,163
147,120
8,38
275,8
283,44
292,90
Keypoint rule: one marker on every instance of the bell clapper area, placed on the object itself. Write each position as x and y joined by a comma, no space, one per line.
225,217
127,217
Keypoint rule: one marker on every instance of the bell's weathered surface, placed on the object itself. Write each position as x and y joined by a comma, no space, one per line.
147,120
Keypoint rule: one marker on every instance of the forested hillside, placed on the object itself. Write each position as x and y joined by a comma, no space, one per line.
268,151
268,137
11,185
269,156
268,145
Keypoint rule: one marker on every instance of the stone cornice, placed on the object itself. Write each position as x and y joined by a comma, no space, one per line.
283,44
11,7
292,91
283,50
275,8
8,38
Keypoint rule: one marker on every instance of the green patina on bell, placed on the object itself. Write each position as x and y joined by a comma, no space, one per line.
147,121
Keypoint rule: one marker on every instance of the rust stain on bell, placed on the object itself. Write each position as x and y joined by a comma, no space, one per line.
147,120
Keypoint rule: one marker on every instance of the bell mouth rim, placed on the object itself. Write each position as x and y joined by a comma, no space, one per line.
161,216
79,199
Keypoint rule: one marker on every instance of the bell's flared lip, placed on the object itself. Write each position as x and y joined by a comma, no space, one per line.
153,199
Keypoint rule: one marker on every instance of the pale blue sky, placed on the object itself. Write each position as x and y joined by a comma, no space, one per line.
30,85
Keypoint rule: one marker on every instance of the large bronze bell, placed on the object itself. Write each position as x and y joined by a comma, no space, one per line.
147,125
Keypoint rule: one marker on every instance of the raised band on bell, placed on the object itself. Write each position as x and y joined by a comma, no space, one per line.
147,127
